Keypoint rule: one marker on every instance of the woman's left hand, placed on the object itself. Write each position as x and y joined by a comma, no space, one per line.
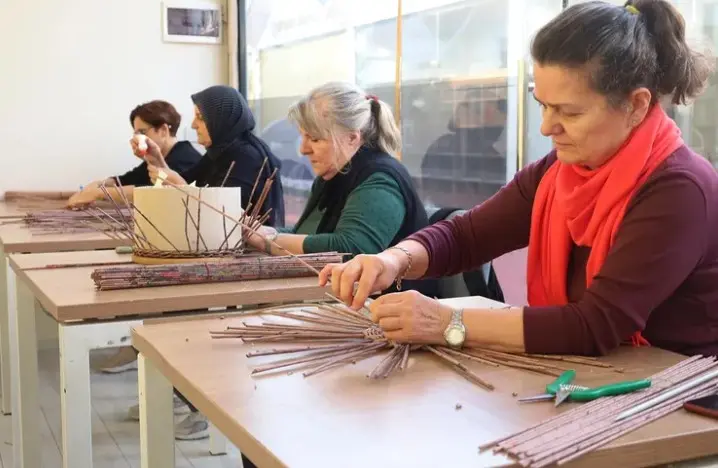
258,241
410,317
83,198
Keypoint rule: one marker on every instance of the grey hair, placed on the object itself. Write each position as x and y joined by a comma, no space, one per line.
338,107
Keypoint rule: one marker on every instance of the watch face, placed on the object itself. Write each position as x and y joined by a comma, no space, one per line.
455,336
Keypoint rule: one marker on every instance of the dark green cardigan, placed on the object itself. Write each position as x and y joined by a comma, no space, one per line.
371,218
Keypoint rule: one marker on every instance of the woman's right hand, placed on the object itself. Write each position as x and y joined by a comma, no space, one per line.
372,273
152,155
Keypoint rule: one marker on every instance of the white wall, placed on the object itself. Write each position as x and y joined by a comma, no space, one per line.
70,73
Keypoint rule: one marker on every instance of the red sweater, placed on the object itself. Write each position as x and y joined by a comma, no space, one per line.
661,275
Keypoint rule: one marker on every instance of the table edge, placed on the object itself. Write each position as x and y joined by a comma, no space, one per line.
252,448
663,450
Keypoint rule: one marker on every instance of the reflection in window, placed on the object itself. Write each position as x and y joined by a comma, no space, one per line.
700,120
454,91
455,82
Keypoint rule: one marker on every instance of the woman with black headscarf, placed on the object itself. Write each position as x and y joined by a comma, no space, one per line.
224,124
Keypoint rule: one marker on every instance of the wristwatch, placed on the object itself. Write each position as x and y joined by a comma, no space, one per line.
269,240
455,333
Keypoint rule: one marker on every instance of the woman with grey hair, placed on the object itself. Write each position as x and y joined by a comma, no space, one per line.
363,199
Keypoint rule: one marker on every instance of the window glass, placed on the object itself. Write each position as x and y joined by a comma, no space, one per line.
459,86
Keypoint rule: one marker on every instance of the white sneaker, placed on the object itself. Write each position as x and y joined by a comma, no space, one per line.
125,360
193,427
179,408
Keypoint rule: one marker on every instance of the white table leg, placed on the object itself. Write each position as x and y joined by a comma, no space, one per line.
217,441
23,354
76,342
157,446
7,297
75,403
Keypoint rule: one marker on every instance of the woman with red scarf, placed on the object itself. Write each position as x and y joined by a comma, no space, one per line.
620,219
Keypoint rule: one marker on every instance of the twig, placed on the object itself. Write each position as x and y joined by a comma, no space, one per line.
229,171
461,368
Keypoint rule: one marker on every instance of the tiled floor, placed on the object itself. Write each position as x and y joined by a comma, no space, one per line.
116,440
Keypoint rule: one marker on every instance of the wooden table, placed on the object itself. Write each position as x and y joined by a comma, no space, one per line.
19,239
10,210
89,319
341,418
17,208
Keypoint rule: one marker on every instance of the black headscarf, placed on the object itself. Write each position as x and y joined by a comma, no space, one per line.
228,119
230,123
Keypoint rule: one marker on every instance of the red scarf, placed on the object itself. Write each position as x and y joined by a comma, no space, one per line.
587,206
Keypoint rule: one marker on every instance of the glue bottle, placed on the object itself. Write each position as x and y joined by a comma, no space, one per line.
141,141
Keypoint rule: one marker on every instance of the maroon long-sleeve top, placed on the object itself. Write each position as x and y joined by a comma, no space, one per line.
660,276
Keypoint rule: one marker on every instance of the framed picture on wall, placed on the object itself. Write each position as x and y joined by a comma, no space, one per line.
189,21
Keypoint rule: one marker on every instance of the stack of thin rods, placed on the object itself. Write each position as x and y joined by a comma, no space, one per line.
354,336
72,221
579,431
26,201
323,336
538,363
236,269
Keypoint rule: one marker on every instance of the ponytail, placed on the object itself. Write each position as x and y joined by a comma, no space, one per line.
682,71
382,131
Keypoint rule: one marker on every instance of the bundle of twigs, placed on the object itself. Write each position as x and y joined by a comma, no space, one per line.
20,195
92,219
581,430
334,322
331,335
252,218
28,200
538,363
248,267
335,334
353,336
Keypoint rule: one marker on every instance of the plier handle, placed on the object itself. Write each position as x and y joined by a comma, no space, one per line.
561,389
553,388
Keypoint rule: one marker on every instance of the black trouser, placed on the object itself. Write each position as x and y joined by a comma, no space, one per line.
247,463
186,401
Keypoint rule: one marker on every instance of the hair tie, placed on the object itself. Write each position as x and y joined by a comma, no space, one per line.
633,10
371,97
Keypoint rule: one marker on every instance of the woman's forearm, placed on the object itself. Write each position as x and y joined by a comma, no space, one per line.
419,258
294,243
499,329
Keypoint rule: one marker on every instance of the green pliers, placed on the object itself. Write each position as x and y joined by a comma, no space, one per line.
561,389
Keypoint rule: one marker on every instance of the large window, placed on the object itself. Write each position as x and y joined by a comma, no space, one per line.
295,45
458,86
699,120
